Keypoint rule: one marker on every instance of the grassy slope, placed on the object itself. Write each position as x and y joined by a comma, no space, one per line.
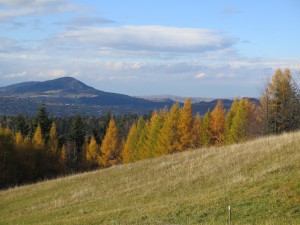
259,179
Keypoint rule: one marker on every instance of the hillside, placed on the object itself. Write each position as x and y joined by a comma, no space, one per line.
259,179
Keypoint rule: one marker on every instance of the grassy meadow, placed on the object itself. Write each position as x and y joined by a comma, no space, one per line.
260,180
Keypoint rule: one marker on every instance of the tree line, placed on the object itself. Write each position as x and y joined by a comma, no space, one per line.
43,147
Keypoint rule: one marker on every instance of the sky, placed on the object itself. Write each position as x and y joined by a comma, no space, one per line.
219,48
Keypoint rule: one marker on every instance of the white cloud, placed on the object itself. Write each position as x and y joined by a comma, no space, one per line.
200,75
16,75
18,8
85,21
143,39
52,73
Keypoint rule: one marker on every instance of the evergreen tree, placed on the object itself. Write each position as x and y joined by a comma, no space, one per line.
21,125
75,145
77,132
217,123
8,169
185,126
109,151
85,151
43,120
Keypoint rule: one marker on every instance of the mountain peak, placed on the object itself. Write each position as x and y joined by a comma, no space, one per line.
65,84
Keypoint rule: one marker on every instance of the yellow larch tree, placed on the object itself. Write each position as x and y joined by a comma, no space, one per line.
185,126
63,159
53,141
280,104
92,153
205,132
19,140
228,119
168,140
129,147
108,151
38,140
245,124
218,123
142,133
196,132
155,125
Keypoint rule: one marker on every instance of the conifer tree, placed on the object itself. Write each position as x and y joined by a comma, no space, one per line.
217,123
53,150
109,151
142,132
38,140
43,120
8,158
238,131
75,145
280,104
168,141
53,141
21,125
63,157
185,126
130,144
228,120
19,141
205,133
84,151
92,153
77,133
196,132
155,126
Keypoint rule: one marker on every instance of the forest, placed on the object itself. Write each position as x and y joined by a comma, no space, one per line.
43,147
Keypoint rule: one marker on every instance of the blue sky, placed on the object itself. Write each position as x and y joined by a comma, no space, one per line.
187,48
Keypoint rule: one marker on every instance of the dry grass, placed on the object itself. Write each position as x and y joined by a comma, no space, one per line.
259,179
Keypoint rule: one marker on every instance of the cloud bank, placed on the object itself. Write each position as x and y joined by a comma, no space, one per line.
147,39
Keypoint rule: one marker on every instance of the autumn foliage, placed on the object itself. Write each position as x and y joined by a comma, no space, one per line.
30,153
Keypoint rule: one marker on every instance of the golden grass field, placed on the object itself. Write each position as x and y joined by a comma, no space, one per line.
259,179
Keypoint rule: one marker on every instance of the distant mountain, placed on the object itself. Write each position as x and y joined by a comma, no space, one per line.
67,95
69,90
58,86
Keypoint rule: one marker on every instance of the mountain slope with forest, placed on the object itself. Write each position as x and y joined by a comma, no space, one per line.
260,180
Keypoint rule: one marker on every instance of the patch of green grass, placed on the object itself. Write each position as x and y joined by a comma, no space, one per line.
260,180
